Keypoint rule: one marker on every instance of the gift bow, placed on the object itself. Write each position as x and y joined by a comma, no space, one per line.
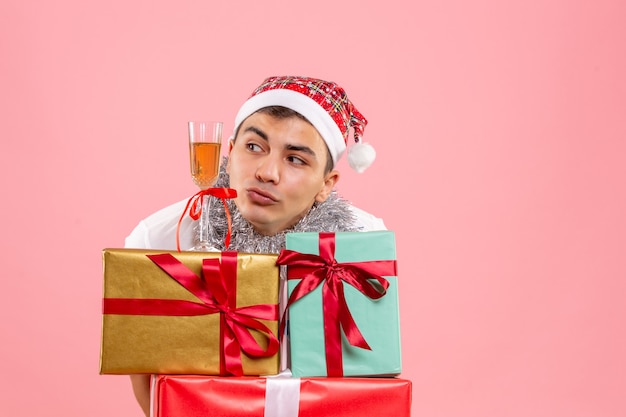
365,276
217,292
194,205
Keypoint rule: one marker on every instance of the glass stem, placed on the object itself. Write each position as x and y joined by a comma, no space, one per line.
203,233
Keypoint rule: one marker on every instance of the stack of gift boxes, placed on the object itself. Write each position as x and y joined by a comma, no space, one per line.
313,331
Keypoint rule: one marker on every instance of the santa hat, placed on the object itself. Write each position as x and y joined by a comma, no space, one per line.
325,105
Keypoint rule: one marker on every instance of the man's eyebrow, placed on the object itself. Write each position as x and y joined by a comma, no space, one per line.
258,131
299,148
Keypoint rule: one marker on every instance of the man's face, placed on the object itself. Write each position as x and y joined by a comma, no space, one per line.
277,167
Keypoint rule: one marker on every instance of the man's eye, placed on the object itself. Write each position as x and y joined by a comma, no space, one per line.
296,160
253,147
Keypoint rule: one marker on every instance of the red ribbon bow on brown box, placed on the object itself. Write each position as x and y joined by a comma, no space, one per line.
216,293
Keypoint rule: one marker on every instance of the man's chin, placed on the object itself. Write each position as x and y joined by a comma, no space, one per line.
260,221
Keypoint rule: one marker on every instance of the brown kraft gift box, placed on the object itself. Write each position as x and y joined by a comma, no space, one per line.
167,312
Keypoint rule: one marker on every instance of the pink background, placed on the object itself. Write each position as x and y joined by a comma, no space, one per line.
500,130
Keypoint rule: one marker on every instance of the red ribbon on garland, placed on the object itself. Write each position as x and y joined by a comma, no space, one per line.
313,270
217,294
194,205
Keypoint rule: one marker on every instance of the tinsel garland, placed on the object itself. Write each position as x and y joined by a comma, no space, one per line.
333,215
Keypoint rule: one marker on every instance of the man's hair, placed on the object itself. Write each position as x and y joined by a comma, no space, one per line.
280,112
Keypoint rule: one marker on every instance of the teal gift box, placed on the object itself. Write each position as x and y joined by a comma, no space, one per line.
343,312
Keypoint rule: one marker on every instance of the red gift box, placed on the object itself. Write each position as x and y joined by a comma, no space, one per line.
192,395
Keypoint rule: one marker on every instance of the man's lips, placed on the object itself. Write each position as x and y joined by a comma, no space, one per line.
259,196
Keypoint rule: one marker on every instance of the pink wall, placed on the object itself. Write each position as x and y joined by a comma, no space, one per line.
500,130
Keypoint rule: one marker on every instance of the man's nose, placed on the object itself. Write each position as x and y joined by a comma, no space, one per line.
268,169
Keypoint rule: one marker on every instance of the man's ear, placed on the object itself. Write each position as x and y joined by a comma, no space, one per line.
231,143
330,180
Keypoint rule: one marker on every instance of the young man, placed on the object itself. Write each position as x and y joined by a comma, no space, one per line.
288,138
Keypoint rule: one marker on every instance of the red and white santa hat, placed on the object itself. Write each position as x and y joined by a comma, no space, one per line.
325,105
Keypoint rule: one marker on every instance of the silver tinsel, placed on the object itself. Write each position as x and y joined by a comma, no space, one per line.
333,215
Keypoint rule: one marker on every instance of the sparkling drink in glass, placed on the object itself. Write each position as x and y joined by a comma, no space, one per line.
205,143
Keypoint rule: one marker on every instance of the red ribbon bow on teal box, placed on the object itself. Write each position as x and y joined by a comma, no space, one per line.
314,270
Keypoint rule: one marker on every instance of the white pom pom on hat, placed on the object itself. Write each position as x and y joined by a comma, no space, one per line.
361,156
325,105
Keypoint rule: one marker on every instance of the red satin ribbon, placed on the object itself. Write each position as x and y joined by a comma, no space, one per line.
313,270
194,205
217,293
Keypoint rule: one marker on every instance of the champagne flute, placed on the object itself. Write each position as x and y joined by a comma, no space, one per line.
205,143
